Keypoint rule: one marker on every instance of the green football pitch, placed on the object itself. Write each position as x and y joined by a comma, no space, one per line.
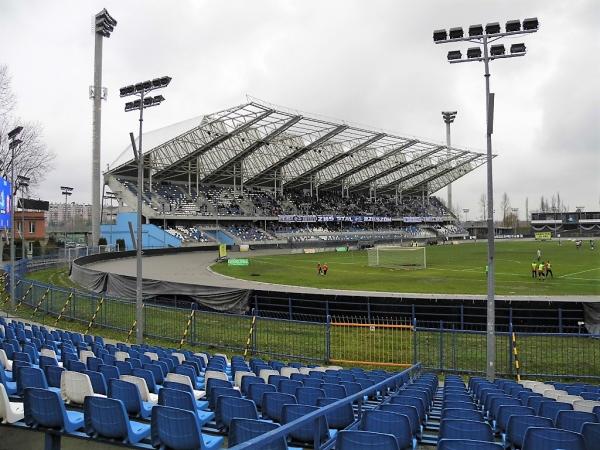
453,269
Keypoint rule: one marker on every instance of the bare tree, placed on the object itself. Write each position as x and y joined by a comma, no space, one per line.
33,159
483,206
506,212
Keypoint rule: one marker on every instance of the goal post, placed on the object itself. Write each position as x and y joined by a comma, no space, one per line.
397,257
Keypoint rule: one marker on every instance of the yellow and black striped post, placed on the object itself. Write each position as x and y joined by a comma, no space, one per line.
250,333
187,328
516,356
64,308
40,302
89,327
24,296
7,298
131,331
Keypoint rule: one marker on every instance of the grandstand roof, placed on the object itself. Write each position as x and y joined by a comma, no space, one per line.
263,145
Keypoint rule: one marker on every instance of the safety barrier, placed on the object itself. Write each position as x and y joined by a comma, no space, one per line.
380,341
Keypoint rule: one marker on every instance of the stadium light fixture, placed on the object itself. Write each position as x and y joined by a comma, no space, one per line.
141,89
449,117
12,146
490,52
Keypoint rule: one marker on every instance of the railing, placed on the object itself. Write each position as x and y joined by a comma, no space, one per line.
351,340
283,431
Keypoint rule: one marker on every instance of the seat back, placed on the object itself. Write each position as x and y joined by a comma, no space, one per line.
148,377
175,428
273,403
124,367
215,393
176,398
365,440
307,432
549,438
288,371
128,393
467,444
256,391
405,410
228,407
456,413
44,408
140,383
591,434
585,405
388,422
109,372
334,390
309,396
551,409
31,377
504,413
242,430
105,417
75,387
340,417
574,420
465,429
239,375
517,425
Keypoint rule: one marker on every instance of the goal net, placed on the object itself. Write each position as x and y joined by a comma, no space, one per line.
397,257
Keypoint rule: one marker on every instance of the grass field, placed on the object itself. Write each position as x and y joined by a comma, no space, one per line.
455,269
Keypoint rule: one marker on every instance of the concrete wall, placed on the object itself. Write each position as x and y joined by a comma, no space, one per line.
152,236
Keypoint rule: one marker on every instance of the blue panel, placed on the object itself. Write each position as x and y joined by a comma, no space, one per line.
5,203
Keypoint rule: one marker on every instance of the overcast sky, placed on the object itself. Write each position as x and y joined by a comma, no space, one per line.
369,62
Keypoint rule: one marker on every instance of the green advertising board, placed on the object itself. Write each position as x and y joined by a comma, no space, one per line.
238,262
341,249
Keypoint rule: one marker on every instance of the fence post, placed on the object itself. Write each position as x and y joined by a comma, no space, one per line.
462,316
328,339
415,348
453,347
560,320
441,345
289,307
510,348
369,309
254,331
413,314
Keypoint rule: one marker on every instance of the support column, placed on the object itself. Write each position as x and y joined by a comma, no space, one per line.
96,135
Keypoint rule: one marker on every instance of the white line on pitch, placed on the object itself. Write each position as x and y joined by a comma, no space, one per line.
577,273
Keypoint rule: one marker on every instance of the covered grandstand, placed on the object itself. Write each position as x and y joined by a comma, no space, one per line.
258,173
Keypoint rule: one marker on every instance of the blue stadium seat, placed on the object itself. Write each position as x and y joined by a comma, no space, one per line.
334,390
107,417
129,394
410,401
273,403
467,444
574,420
309,396
125,368
312,382
98,382
340,417
109,372
200,404
216,392
32,377
149,377
45,408
524,397
216,382
289,386
504,413
365,440
591,434
408,411
228,408
178,429
388,422
93,363
256,391
465,429
456,413
308,431
242,430
551,409
53,375
184,400
518,425
539,438
247,381
536,403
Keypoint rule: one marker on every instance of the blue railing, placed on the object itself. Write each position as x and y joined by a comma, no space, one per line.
283,431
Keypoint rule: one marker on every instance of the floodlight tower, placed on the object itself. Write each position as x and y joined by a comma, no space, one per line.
12,146
104,24
490,53
140,90
67,192
23,184
449,117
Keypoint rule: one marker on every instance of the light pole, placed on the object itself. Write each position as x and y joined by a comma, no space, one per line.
23,184
466,212
111,196
490,53
66,191
140,90
104,25
13,144
515,212
449,117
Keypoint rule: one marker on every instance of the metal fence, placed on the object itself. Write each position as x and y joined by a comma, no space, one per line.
353,340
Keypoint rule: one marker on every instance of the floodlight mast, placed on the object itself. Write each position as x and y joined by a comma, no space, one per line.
23,184
141,89
477,36
104,24
449,117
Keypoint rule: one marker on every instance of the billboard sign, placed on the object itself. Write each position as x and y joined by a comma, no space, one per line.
5,203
